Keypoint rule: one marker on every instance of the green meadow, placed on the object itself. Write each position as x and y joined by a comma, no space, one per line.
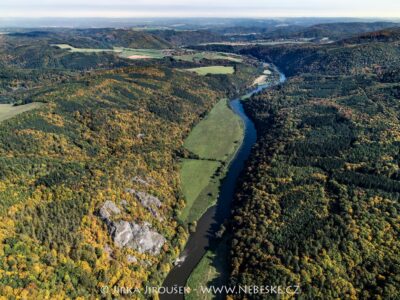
217,135
195,177
193,57
212,70
122,52
215,140
8,111
211,269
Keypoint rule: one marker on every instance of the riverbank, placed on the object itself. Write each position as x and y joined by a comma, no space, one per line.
209,223
203,238
214,141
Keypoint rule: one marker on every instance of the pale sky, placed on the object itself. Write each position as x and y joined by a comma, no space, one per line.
200,8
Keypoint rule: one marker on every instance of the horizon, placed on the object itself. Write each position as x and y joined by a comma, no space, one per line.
200,9
185,22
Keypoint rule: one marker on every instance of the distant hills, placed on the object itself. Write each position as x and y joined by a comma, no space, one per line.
349,56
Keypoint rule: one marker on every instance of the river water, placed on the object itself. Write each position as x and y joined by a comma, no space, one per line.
204,236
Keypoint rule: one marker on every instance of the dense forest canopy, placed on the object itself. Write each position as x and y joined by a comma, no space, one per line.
91,142
318,203
105,137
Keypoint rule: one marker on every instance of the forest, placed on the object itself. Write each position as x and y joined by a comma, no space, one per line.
92,142
107,130
317,205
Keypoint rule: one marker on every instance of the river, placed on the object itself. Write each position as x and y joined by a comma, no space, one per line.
204,236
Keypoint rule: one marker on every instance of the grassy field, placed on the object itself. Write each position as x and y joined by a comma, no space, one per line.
8,111
157,54
122,52
88,50
208,55
215,140
195,178
218,135
147,53
212,70
209,271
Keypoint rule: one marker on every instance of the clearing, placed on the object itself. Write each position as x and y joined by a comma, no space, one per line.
122,52
212,70
217,136
211,270
8,111
193,57
215,140
195,176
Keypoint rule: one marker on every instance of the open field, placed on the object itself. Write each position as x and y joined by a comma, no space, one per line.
156,54
209,271
195,177
260,80
122,52
217,137
208,55
139,53
212,70
8,111
88,50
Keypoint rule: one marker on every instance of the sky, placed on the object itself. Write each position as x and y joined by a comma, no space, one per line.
199,8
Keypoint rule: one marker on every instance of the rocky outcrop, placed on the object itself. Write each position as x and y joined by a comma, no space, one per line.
139,237
108,210
148,181
121,233
152,203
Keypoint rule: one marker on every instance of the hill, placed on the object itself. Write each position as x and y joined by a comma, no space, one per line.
317,206
94,140
96,38
351,56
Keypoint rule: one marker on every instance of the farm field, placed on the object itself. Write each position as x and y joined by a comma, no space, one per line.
122,52
158,54
81,50
208,55
195,175
215,140
218,135
213,70
8,111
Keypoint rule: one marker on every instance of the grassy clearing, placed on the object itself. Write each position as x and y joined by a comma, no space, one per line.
87,50
212,70
209,271
122,52
195,176
208,55
145,53
215,138
8,111
218,135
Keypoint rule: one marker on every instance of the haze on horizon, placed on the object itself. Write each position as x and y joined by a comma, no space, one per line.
203,8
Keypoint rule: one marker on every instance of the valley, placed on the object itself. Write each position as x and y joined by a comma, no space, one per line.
164,155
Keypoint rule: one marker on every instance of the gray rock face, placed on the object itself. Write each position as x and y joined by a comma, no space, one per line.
108,210
121,233
146,240
148,201
139,237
